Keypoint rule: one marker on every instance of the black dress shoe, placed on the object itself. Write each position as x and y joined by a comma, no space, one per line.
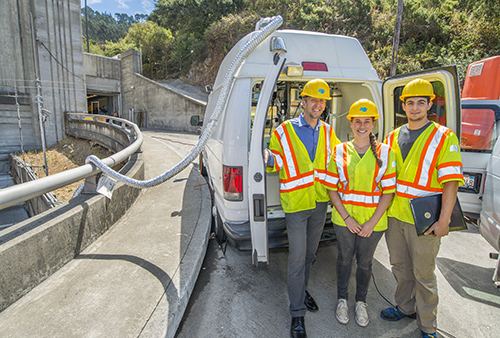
310,303
298,329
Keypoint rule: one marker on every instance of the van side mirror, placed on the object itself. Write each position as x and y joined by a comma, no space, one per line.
195,121
208,89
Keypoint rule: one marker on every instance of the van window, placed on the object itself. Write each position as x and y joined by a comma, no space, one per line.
437,113
479,128
285,104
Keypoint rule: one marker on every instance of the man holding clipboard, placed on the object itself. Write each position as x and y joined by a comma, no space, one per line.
428,163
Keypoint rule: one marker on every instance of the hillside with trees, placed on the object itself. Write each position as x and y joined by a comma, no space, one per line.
188,39
103,28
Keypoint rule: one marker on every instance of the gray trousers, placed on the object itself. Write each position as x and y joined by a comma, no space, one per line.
363,248
413,260
304,230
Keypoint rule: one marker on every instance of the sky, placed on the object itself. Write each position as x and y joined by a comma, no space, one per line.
130,7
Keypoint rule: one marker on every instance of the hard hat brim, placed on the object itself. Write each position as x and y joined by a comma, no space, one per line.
403,97
316,96
350,117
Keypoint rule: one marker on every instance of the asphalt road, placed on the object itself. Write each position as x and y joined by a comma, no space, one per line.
232,298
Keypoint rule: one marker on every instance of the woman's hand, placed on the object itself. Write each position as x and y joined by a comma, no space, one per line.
353,225
367,229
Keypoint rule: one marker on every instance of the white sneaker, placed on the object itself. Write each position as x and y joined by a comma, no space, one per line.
361,314
342,312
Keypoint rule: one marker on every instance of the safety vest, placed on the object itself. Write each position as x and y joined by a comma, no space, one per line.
360,182
301,180
433,160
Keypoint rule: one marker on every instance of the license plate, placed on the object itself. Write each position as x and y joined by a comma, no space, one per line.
469,181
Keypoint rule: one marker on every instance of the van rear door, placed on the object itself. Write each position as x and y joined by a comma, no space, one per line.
446,108
256,168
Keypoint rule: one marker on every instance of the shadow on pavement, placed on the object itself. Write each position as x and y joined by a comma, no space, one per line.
155,270
470,281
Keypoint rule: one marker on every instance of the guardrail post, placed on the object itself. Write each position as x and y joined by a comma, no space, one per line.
90,185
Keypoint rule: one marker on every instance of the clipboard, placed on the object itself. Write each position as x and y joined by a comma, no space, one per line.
426,211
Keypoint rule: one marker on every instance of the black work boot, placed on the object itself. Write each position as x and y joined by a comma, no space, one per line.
310,303
298,329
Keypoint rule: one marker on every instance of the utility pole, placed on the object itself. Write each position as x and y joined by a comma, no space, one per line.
87,28
395,43
39,97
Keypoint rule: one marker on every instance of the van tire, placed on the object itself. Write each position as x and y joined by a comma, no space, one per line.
217,228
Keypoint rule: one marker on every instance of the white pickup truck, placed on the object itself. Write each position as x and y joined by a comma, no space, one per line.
265,92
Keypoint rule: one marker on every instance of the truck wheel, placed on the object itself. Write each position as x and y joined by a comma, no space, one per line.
217,227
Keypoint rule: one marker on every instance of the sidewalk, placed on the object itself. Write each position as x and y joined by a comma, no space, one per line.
136,279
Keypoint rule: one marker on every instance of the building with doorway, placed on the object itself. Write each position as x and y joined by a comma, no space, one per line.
45,73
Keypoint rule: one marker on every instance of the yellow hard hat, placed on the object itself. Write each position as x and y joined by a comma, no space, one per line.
363,108
316,88
416,88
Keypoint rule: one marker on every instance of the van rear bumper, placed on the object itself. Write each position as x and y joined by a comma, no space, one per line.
238,234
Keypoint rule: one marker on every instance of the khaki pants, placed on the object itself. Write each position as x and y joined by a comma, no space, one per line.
413,260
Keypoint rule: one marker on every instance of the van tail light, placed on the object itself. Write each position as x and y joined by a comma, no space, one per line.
233,183
316,66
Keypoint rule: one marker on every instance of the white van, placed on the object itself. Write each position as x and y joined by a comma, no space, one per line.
489,222
265,92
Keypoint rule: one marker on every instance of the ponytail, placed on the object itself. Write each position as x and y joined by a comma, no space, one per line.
373,144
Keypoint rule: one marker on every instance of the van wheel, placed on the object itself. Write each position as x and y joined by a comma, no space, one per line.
217,227
203,169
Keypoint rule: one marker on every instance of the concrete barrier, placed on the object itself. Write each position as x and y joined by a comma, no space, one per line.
33,250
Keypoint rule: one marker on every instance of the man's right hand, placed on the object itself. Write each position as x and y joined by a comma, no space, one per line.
266,156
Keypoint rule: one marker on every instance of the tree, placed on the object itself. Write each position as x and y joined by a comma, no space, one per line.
193,16
140,17
156,44
104,27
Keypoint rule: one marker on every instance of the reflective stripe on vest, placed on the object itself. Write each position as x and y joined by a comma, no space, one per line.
357,198
298,182
295,180
361,198
289,163
421,185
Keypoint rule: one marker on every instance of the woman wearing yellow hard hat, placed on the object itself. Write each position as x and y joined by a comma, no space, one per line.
361,179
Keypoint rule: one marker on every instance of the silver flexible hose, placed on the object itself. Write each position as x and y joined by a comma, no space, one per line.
275,22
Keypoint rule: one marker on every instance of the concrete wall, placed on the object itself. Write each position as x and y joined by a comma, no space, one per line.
102,74
32,250
107,134
166,109
66,76
59,54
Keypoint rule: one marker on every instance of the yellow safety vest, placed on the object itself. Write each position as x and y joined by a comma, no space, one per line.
301,181
360,182
433,160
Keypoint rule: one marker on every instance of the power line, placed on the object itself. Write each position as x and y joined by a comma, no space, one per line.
69,71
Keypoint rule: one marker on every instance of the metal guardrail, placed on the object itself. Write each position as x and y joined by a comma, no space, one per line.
22,173
16,194
22,192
